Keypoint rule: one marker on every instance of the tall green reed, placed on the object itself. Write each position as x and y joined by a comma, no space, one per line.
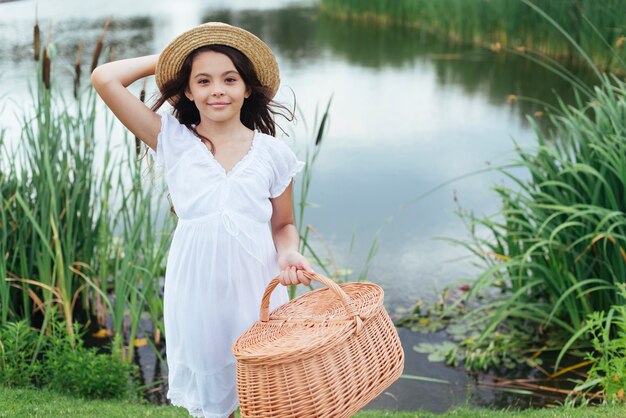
54,199
132,243
5,189
312,150
79,233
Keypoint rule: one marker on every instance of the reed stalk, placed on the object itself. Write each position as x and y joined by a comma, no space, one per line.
112,53
99,45
142,97
36,38
312,151
5,200
46,69
77,70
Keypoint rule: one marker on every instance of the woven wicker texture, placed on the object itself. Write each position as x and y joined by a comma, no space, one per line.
324,354
213,33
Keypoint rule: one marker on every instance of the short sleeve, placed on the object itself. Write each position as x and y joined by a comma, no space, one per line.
285,165
172,141
157,155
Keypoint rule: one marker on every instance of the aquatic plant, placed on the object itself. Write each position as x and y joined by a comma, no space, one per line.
79,233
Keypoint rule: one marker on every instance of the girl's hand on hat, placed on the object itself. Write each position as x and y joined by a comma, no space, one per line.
292,264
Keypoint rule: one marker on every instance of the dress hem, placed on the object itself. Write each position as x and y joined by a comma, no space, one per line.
197,411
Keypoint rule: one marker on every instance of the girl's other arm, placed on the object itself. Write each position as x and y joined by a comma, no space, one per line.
286,240
111,81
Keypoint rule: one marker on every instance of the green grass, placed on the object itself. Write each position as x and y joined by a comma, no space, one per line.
588,412
43,403
40,403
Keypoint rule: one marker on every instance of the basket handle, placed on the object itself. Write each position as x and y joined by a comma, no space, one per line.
265,316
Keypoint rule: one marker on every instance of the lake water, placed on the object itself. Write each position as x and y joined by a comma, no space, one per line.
409,113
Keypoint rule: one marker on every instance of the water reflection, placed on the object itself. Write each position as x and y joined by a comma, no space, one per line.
290,31
475,70
303,36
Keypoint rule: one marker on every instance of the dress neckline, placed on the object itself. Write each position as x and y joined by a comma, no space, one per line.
238,164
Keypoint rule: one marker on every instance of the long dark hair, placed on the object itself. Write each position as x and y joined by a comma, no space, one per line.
258,109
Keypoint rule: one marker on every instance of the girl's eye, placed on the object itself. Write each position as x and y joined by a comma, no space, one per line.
231,80
203,81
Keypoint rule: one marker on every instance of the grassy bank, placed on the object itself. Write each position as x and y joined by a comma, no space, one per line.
503,23
36,403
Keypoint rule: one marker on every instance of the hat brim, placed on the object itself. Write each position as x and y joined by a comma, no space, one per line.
217,33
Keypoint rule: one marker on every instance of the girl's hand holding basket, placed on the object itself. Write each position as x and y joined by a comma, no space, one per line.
291,264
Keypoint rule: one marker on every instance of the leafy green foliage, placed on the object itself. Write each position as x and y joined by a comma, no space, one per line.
510,345
53,362
18,344
82,372
608,337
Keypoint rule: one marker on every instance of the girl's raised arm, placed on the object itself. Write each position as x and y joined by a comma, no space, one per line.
111,81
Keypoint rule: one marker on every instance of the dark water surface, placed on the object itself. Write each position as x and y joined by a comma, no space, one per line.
409,112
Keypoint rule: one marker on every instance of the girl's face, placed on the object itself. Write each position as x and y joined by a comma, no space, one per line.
216,87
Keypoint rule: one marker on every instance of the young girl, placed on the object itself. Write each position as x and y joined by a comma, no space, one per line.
229,180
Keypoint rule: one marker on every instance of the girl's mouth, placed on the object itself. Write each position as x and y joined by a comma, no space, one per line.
219,105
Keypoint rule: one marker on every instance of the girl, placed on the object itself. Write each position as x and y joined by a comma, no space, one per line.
229,180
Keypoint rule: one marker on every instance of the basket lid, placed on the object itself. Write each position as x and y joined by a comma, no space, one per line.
316,321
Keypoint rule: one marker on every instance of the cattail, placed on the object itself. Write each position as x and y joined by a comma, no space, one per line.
142,97
79,55
320,132
157,337
45,69
142,94
112,54
98,51
172,209
36,38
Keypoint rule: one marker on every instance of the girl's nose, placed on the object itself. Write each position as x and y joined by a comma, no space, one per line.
217,90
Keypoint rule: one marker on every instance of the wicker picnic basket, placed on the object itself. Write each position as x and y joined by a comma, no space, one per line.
324,354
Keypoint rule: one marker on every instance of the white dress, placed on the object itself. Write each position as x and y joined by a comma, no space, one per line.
221,258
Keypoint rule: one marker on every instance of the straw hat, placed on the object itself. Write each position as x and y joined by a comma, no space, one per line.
212,33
